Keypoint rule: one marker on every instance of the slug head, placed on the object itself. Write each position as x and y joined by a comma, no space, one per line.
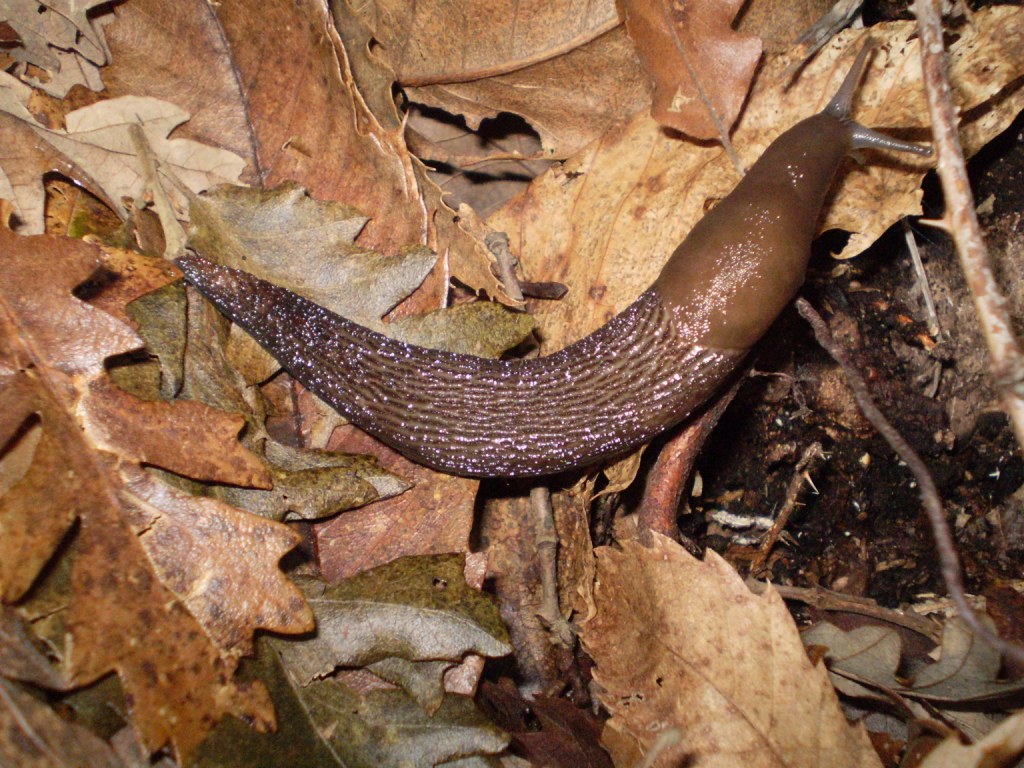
746,259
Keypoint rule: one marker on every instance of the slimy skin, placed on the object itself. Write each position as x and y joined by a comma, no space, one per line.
644,371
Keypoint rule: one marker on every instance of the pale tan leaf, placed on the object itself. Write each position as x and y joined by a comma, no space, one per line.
98,140
1002,748
682,643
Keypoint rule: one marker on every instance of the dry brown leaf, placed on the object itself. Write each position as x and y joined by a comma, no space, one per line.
682,643
159,591
570,99
443,42
433,517
699,66
606,221
305,118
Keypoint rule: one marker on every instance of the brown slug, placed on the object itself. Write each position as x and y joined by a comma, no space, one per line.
644,371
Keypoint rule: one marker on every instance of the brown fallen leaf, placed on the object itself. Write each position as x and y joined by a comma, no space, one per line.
1002,748
434,517
430,42
606,221
569,99
681,643
153,596
699,66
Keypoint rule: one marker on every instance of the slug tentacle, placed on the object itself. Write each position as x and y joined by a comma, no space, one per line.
644,371
597,398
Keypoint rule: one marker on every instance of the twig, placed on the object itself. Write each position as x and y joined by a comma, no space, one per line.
826,600
497,244
961,222
931,316
949,561
174,233
547,557
796,484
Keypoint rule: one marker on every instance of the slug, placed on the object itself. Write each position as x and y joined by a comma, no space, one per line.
646,370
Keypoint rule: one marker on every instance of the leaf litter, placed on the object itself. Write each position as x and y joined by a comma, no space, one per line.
171,563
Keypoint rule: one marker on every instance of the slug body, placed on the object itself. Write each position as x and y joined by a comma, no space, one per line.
647,369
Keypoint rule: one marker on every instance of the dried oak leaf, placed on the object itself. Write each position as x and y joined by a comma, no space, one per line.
97,150
160,593
64,38
606,221
699,66
868,657
682,643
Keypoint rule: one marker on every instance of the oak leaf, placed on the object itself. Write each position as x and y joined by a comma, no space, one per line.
97,150
153,595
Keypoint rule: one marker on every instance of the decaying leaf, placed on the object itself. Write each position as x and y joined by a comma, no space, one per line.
64,38
96,149
33,736
153,569
435,516
325,724
415,608
681,643
699,65
967,671
1001,748
605,222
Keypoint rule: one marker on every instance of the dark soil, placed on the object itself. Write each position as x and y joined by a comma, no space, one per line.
863,531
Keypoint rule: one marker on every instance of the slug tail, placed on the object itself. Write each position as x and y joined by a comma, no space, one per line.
596,399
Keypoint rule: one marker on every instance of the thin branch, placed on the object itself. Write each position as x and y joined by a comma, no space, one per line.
823,599
949,561
796,484
497,244
962,222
